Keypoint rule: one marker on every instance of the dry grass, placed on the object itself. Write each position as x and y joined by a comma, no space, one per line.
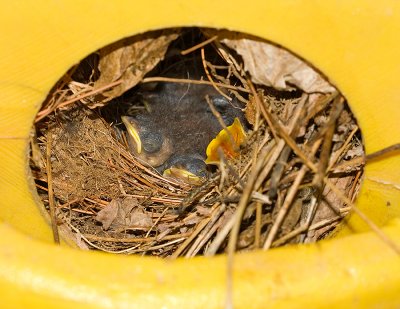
301,151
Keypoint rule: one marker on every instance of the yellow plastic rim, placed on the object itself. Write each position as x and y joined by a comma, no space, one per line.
354,43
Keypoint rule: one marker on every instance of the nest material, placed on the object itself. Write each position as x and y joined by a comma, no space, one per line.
274,193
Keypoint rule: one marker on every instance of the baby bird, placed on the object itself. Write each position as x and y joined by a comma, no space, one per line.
173,132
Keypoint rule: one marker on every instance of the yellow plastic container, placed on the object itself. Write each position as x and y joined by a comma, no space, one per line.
355,43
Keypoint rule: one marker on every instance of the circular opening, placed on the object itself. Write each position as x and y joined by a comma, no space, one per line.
180,142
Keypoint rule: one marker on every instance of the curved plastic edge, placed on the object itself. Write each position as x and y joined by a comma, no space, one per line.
291,277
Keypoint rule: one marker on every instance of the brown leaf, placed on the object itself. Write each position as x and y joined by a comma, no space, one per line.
270,65
108,214
129,60
330,205
124,213
139,219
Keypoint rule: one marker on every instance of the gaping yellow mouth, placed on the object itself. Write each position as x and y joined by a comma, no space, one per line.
133,133
229,142
182,174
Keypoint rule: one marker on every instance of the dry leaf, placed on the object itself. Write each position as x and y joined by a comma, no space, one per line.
124,213
355,151
129,60
246,238
270,65
139,219
331,203
107,215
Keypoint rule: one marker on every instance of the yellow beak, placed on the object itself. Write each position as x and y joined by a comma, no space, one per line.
133,133
229,143
183,175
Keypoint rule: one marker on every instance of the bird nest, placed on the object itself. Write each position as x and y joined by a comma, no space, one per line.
292,178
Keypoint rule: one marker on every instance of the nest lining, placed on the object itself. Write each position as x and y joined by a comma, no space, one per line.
106,199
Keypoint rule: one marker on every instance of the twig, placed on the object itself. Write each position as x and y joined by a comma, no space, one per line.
82,211
220,237
164,200
271,144
281,143
308,213
156,247
146,182
136,239
327,141
200,45
303,228
372,225
191,81
363,217
203,59
288,201
382,152
220,120
237,69
352,191
334,158
198,229
50,188
92,244
257,228
314,168
156,222
247,191
296,124
202,239
370,157
46,112
263,109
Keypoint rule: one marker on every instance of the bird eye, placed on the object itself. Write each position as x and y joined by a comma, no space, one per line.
220,103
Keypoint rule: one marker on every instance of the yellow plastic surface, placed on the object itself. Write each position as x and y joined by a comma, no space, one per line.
355,43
